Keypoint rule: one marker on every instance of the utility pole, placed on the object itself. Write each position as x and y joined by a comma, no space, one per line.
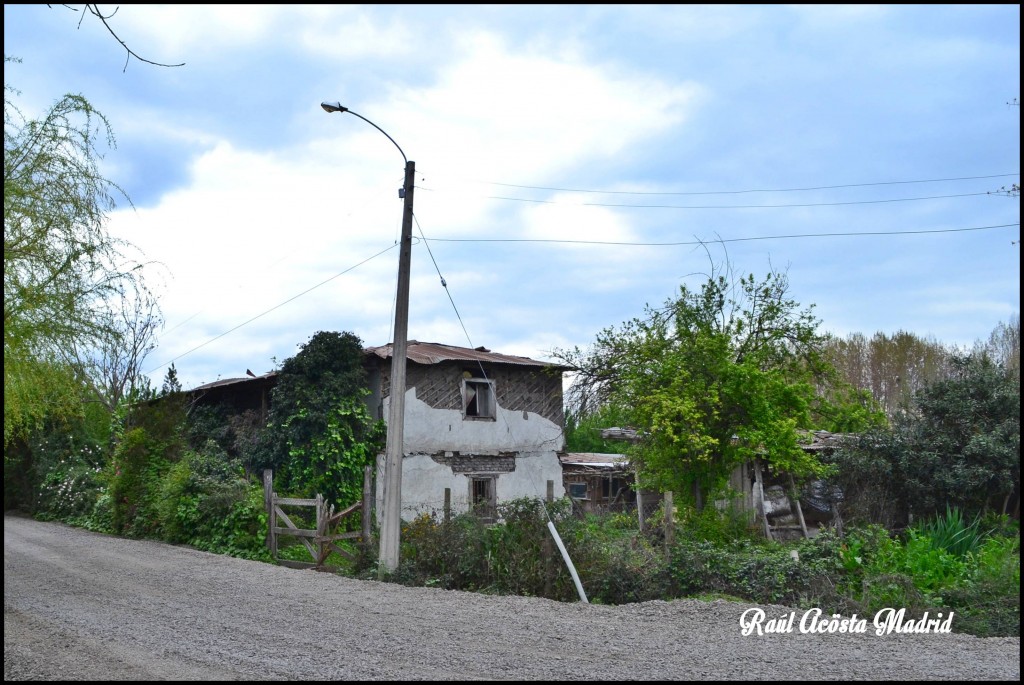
392,520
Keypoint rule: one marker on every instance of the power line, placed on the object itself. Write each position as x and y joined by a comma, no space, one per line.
808,204
722,240
567,242
483,372
739,192
278,306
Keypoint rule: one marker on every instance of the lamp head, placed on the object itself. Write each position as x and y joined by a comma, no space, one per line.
333,107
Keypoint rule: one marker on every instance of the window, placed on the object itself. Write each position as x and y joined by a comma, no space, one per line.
482,496
478,399
578,490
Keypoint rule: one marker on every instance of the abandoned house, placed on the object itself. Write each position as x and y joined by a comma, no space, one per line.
761,492
486,427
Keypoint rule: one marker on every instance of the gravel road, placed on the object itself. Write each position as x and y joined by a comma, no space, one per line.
85,606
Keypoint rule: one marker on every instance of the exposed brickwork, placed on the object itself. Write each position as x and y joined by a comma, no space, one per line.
477,463
517,388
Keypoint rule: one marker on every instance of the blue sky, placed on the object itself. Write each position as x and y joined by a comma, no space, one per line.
570,160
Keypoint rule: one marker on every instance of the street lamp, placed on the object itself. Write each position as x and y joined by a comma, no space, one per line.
391,521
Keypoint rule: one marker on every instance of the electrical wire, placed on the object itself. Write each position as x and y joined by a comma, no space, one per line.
717,240
739,192
278,306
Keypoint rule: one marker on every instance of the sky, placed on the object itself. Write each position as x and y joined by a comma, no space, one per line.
574,165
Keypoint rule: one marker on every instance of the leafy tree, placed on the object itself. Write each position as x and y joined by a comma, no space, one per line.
959,447
583,433
320,434
171,382
714,378
891,367
1003,346
65,277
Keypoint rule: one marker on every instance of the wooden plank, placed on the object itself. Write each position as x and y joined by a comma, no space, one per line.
297,532
341,514
284,517
340,536
799,509
295,564
295,502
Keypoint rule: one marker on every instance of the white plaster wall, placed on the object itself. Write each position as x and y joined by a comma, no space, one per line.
435,430
534,438
424,481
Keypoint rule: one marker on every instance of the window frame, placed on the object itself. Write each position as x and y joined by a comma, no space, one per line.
574,487
488,510
490,399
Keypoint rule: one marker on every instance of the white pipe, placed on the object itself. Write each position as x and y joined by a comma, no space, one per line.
568,562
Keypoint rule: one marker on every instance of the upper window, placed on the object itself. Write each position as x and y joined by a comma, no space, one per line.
478,399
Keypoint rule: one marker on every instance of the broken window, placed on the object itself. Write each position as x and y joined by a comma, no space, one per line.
483,497
578,490
478,398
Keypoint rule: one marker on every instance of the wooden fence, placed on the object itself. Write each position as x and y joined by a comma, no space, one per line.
319,541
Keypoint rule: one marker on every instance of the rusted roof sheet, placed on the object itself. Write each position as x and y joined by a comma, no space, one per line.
594,460
822,440
231,381
435,353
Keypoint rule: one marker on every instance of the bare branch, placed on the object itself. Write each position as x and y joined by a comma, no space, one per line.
95,11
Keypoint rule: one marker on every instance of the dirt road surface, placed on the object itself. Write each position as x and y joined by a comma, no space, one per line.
85,606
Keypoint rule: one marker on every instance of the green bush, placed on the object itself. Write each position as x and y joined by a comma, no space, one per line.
953,533
239,526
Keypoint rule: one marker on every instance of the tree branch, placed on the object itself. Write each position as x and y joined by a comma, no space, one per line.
95,11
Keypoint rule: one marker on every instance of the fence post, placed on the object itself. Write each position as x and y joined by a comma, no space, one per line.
321,531
639,502
546,551
669,524
447,505
367,506
268,504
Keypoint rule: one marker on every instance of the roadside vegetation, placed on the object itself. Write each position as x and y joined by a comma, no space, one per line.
719,375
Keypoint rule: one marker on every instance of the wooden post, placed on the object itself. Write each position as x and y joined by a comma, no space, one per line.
321,531
669,524
799,509
639,503
367,505
447,505
273,524
759,499
268,504
547,552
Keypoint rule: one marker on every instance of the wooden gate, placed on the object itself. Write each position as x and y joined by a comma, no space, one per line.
319,542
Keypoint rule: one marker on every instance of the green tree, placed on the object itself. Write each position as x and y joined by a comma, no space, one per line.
891,367
320,434
65,277
959,446
714,378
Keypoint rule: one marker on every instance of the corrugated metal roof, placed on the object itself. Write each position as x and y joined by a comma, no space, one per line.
435,353
420,353
595,459
231,381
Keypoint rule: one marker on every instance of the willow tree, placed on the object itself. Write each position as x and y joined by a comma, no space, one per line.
66,278
716,377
